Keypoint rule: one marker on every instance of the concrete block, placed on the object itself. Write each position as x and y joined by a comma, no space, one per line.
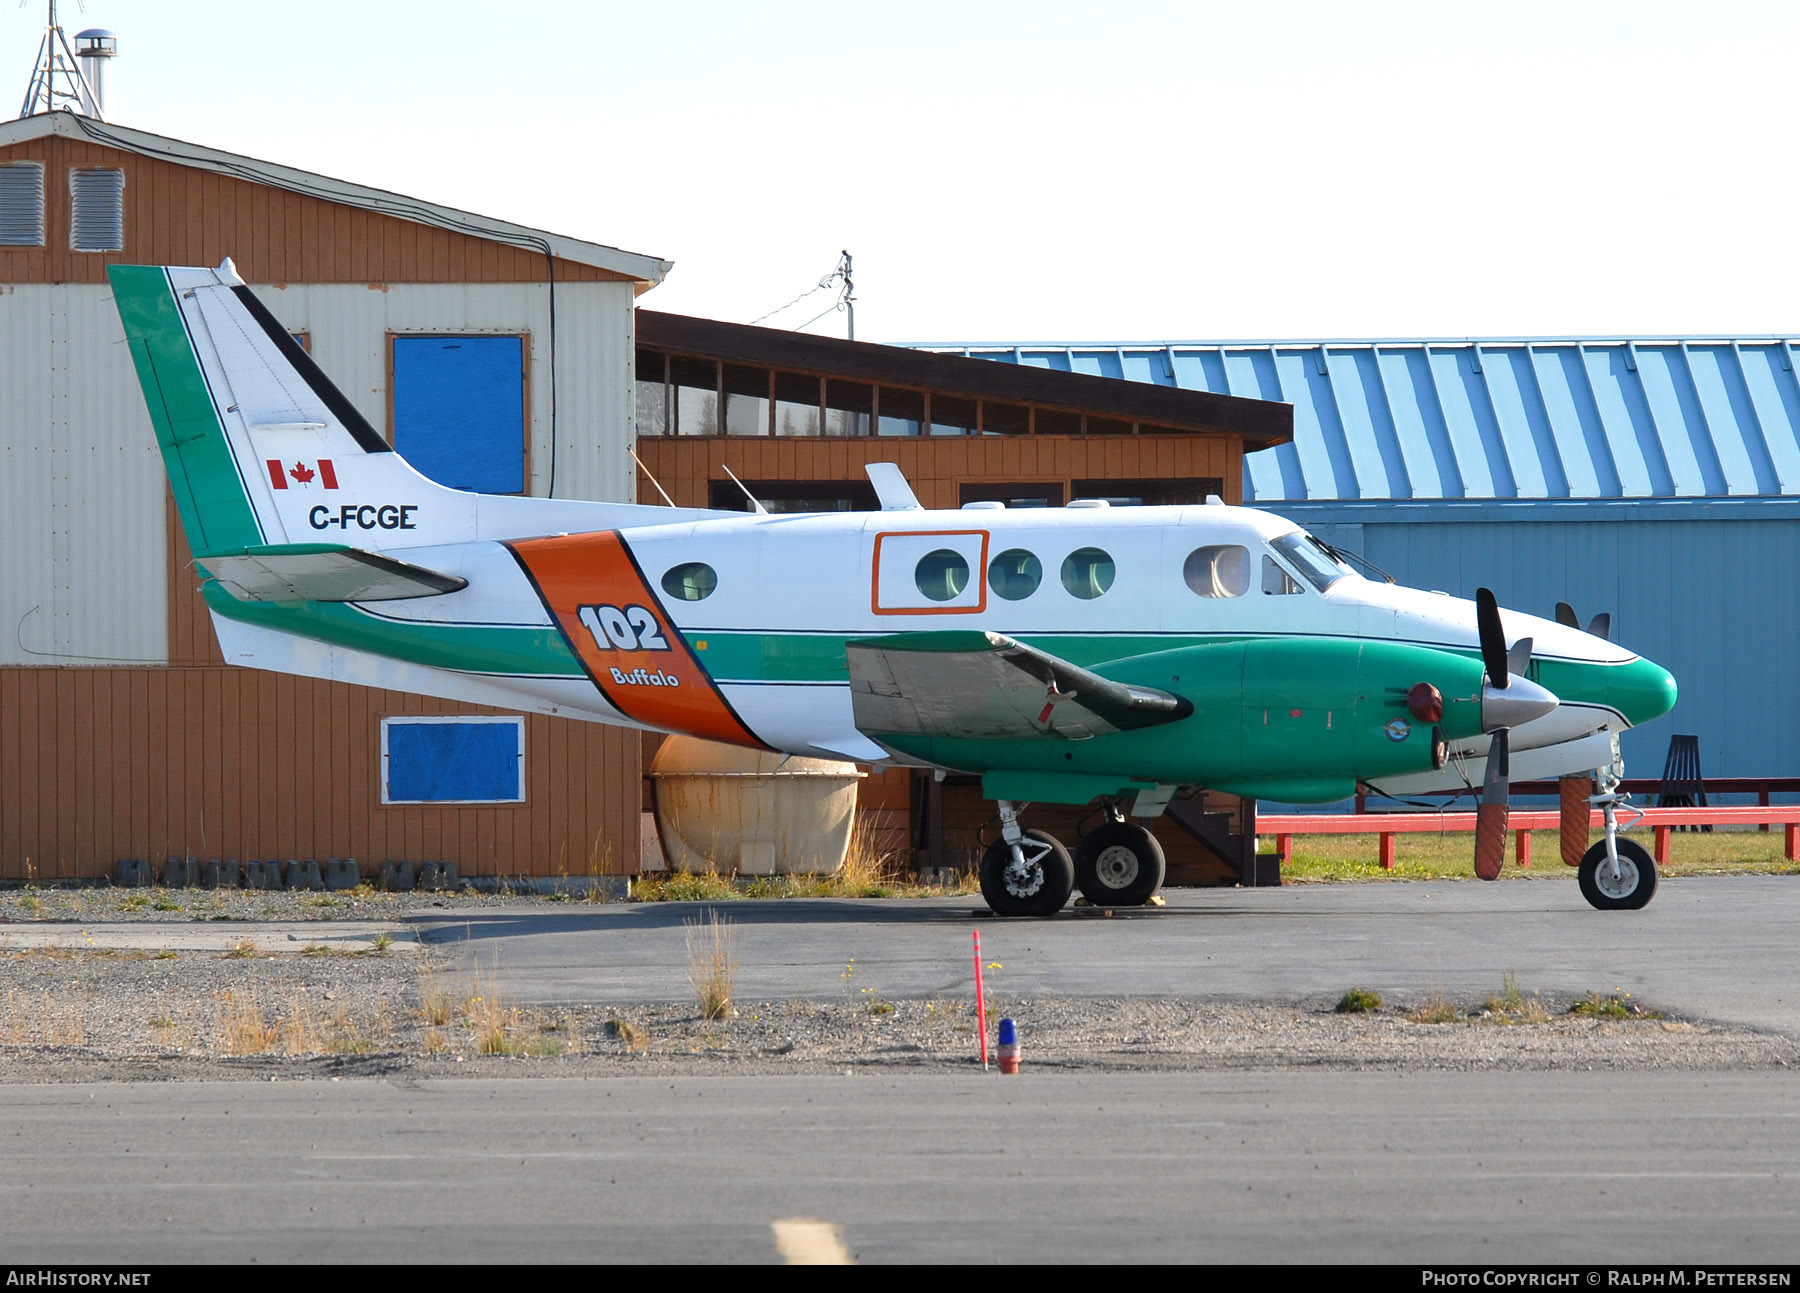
133,873
605,888
342,873
397,876
260,874
220,875
303,875
181,873
438,876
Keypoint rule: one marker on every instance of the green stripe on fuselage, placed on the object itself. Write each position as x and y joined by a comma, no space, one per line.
209,493
1636,688
525,649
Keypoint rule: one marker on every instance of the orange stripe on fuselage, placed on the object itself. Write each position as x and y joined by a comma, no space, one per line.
624,639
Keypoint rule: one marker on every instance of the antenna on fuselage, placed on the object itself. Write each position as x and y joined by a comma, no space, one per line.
659,489
758,507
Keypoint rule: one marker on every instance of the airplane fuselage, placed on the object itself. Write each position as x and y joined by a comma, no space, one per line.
733,627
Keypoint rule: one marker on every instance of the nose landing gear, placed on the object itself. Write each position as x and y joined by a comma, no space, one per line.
1616,874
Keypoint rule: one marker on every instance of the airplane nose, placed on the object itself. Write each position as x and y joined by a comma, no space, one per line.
1640,691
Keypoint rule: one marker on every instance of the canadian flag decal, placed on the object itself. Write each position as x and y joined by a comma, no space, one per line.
302,474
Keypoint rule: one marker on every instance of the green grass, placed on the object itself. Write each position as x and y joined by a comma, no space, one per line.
1450,855
1358,1001
1611,1005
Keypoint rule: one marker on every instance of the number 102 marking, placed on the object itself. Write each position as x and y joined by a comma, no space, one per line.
633,628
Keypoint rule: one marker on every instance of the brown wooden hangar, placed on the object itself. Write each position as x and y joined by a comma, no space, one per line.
123,734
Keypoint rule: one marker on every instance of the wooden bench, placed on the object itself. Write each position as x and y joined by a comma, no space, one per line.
1284,826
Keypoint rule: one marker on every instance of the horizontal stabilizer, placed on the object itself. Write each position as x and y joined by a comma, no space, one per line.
324,573
974,685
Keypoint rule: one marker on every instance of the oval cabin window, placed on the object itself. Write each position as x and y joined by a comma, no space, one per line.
1015,574
691,581
941,575
1219,570
1087,573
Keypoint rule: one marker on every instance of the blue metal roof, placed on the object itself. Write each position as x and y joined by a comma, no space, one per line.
1490,418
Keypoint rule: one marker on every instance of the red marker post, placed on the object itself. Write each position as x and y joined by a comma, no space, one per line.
980,1003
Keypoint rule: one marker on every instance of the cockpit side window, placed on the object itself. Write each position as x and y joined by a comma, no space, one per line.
1218,570
1277,581
1309,558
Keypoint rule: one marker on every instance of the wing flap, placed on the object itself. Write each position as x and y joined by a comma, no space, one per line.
324,573
976,685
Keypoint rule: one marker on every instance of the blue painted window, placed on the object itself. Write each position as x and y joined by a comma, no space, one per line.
453,760
459,410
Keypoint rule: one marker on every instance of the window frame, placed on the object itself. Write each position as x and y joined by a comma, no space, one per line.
74,205
43,201
517,721
1064,572
525,358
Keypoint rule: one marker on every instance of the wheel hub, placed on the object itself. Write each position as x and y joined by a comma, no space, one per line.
1024,875
1116,867
1622,885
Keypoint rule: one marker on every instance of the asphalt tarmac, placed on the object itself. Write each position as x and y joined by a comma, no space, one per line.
1720,947
1623,1166
1589,1168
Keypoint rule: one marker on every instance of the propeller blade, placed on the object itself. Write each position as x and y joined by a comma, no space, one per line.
1518,660
1601,626
1493,637
1565,615
1491,816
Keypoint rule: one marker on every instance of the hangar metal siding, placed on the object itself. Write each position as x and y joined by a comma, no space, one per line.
100,760
1520,417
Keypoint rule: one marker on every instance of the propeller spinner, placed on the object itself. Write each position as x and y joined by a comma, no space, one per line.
1507,700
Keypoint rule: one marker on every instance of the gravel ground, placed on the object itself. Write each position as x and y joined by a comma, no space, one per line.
75,1011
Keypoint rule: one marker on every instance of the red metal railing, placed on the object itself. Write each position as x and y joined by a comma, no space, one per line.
1387,825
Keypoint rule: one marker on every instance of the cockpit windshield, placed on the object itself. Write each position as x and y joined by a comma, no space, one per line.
1311,559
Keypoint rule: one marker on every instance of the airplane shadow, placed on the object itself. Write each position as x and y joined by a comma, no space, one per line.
670,916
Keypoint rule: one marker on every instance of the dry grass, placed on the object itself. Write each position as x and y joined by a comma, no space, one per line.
712,964
1435,1009
45,1020
629,1035
872,862
1512,1006
684,886
240,1027
243,949
490,1021
436,1008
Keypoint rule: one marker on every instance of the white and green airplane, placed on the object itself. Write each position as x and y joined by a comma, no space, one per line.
1066,655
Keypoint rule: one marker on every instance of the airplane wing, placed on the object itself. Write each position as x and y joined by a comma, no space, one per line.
322,572
973,684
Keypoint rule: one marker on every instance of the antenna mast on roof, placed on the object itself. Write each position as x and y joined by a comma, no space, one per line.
847,298
57,80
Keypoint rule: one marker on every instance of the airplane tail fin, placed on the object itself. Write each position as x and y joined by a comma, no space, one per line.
263,452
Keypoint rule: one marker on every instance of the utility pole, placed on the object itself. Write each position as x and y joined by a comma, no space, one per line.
847,297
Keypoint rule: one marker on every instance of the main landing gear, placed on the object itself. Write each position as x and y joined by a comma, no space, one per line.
1028,873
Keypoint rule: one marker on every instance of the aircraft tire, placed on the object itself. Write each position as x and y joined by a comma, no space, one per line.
1633,889
1048,887
1119,864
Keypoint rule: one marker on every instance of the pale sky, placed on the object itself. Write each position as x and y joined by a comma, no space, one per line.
1044,171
